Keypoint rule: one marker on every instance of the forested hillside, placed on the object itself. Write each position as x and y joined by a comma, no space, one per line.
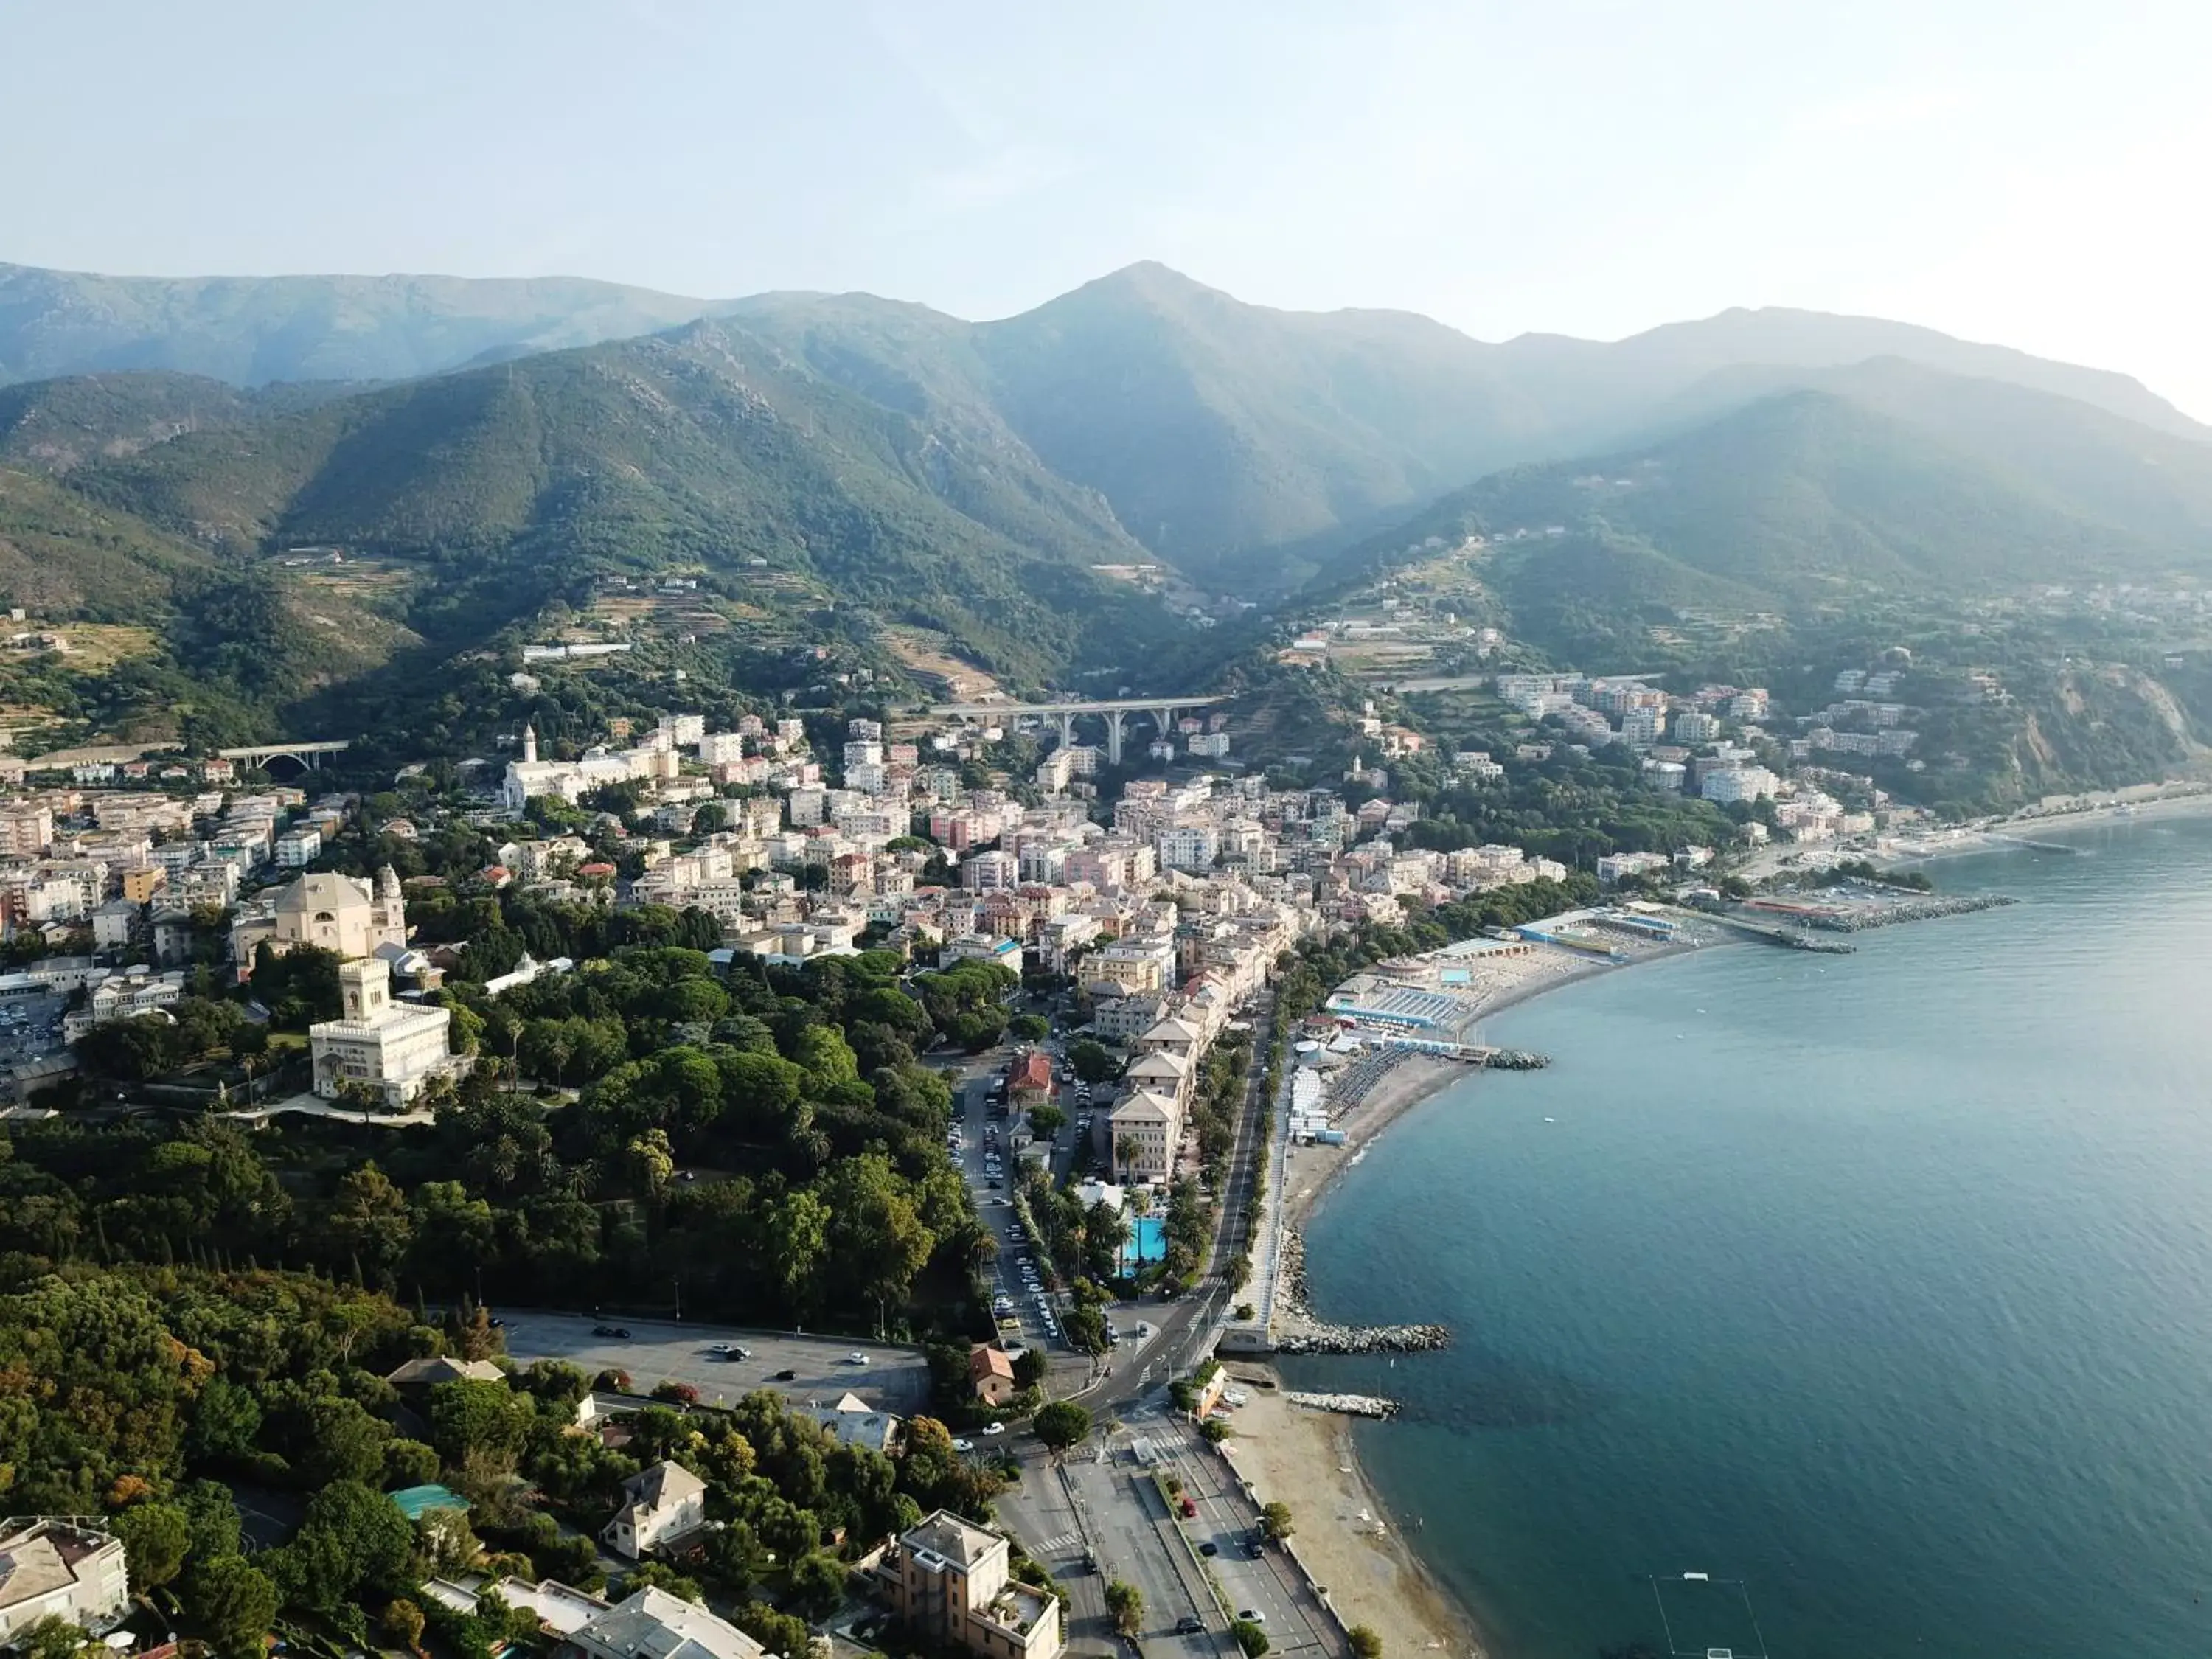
1809,498
1248,446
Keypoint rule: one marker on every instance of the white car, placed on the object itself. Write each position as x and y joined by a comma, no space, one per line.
856,1359
995,1428
963,1445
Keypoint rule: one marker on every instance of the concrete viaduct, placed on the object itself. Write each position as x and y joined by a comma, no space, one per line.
1161,711
307,756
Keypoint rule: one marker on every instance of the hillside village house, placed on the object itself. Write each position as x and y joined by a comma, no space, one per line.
655,1625
658,1505
1029,1079
855,1422
991,1375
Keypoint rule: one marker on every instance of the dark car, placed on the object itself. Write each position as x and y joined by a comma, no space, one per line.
1209,1547
786,1377
1189,1624
621,1333
603,1330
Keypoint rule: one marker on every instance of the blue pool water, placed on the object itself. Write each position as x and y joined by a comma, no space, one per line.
1148,1240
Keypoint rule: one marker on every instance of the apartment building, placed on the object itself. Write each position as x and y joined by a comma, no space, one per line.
951,1582
57,1568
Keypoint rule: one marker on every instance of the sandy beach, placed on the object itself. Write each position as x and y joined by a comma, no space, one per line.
1305,1459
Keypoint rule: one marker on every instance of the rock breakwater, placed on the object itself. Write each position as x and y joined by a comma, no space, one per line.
1515,1060
1298,1332
1363,1338
1919,910
1351,1405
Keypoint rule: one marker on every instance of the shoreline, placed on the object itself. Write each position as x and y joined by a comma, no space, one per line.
2002,834
1419,1077
1375,1574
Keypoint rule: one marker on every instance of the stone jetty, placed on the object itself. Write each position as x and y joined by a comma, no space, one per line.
1515,1060
1351,1405
1918,909
1797,941
1297,1330
1363,1338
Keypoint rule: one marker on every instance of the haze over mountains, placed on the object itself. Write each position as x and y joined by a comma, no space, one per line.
969,480
1219,431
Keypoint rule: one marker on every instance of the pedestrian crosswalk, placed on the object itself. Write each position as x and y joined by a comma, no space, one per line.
1060,1541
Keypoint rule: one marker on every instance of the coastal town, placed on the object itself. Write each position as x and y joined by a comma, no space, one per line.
1125,1036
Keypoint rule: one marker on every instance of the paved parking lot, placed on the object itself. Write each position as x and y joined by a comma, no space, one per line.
29,1027
893,1379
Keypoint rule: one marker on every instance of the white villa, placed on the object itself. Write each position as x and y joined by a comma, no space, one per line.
395,1048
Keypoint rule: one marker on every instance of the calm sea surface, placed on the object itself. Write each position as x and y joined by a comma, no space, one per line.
1881,1284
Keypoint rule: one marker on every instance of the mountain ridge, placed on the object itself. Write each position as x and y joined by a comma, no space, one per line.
1246,444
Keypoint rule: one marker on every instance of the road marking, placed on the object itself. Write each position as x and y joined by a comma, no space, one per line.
1060,1541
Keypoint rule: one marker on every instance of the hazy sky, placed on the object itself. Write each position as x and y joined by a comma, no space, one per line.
2035,173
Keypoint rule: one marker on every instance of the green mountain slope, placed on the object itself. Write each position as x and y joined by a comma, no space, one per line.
65,558
52,426
1221,430
1810,497
165,637
1588,389
249,330
505,489
1248,445
2140,477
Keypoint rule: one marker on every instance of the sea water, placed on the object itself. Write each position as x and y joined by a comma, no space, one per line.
1879,1284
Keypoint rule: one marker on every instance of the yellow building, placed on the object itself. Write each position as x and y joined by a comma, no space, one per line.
951,1582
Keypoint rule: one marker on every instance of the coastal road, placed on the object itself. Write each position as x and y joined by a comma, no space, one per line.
1262,1579
1040,1512
1089,1510
1128,1525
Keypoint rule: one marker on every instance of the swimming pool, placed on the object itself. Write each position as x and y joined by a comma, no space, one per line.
1148,1242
